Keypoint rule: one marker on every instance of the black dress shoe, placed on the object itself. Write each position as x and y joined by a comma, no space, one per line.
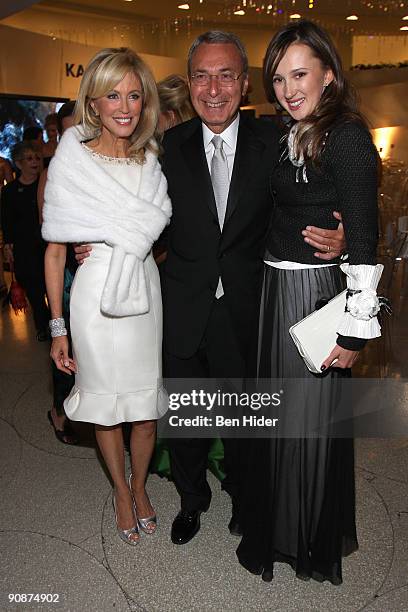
185,526
234,527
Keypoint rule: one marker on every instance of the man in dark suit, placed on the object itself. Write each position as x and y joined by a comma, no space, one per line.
211,281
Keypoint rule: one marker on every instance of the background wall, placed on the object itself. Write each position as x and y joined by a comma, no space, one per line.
379,49
41,66
143,36
392,142
385,105
47,66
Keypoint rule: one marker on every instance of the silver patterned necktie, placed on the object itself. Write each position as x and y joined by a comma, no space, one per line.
220,182
220,178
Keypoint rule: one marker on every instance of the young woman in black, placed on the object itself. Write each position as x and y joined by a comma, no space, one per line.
298,496
23,246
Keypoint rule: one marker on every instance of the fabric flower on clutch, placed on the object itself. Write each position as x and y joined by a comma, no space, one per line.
362,304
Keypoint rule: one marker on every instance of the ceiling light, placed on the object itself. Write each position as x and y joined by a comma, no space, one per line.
295,16
184,7
404,28
352,18
240,12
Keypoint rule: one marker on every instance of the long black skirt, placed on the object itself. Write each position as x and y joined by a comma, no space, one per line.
298,497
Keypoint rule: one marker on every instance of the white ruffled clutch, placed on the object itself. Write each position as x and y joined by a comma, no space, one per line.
315,336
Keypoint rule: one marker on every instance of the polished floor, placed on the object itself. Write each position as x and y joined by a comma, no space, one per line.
57,533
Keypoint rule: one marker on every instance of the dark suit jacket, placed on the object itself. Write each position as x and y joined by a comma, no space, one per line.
198,252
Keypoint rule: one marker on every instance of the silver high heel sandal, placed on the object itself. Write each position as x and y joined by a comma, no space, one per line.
125,534
148,524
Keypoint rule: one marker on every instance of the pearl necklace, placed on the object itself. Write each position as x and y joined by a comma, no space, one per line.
122,161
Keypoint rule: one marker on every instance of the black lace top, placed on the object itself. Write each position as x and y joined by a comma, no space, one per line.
346,181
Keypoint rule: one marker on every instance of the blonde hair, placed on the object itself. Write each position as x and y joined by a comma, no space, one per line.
105,70
174,95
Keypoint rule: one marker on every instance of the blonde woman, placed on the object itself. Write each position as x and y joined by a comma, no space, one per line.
175,105
105,187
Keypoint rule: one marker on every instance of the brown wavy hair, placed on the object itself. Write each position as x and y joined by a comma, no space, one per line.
338,101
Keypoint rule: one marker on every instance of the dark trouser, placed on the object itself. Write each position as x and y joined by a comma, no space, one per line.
29,271
218,356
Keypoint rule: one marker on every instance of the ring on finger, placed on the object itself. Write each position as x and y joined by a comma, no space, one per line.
328,247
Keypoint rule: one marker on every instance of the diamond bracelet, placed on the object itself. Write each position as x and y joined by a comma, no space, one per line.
57,327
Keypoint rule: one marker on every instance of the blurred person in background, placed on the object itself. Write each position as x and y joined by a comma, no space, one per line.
175,104
62,382
175,108
6,172
64,120
23,246
34,133
51,128
6,176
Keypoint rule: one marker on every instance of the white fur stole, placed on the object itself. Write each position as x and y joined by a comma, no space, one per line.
83,203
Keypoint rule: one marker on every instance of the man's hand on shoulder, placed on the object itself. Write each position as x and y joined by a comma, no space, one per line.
82,251
330,243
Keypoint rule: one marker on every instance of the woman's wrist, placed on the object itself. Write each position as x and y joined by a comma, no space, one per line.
351,343
362,304
57,327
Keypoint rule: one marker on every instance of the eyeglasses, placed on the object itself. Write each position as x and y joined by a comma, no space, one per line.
225,79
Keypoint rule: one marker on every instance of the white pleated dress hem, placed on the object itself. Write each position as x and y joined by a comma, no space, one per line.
113,409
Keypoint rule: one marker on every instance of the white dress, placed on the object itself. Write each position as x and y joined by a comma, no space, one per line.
119,375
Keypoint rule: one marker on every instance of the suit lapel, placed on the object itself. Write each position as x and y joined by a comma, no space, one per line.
194,154
247,155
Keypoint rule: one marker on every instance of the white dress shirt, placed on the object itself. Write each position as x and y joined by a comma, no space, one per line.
229,146
229,137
